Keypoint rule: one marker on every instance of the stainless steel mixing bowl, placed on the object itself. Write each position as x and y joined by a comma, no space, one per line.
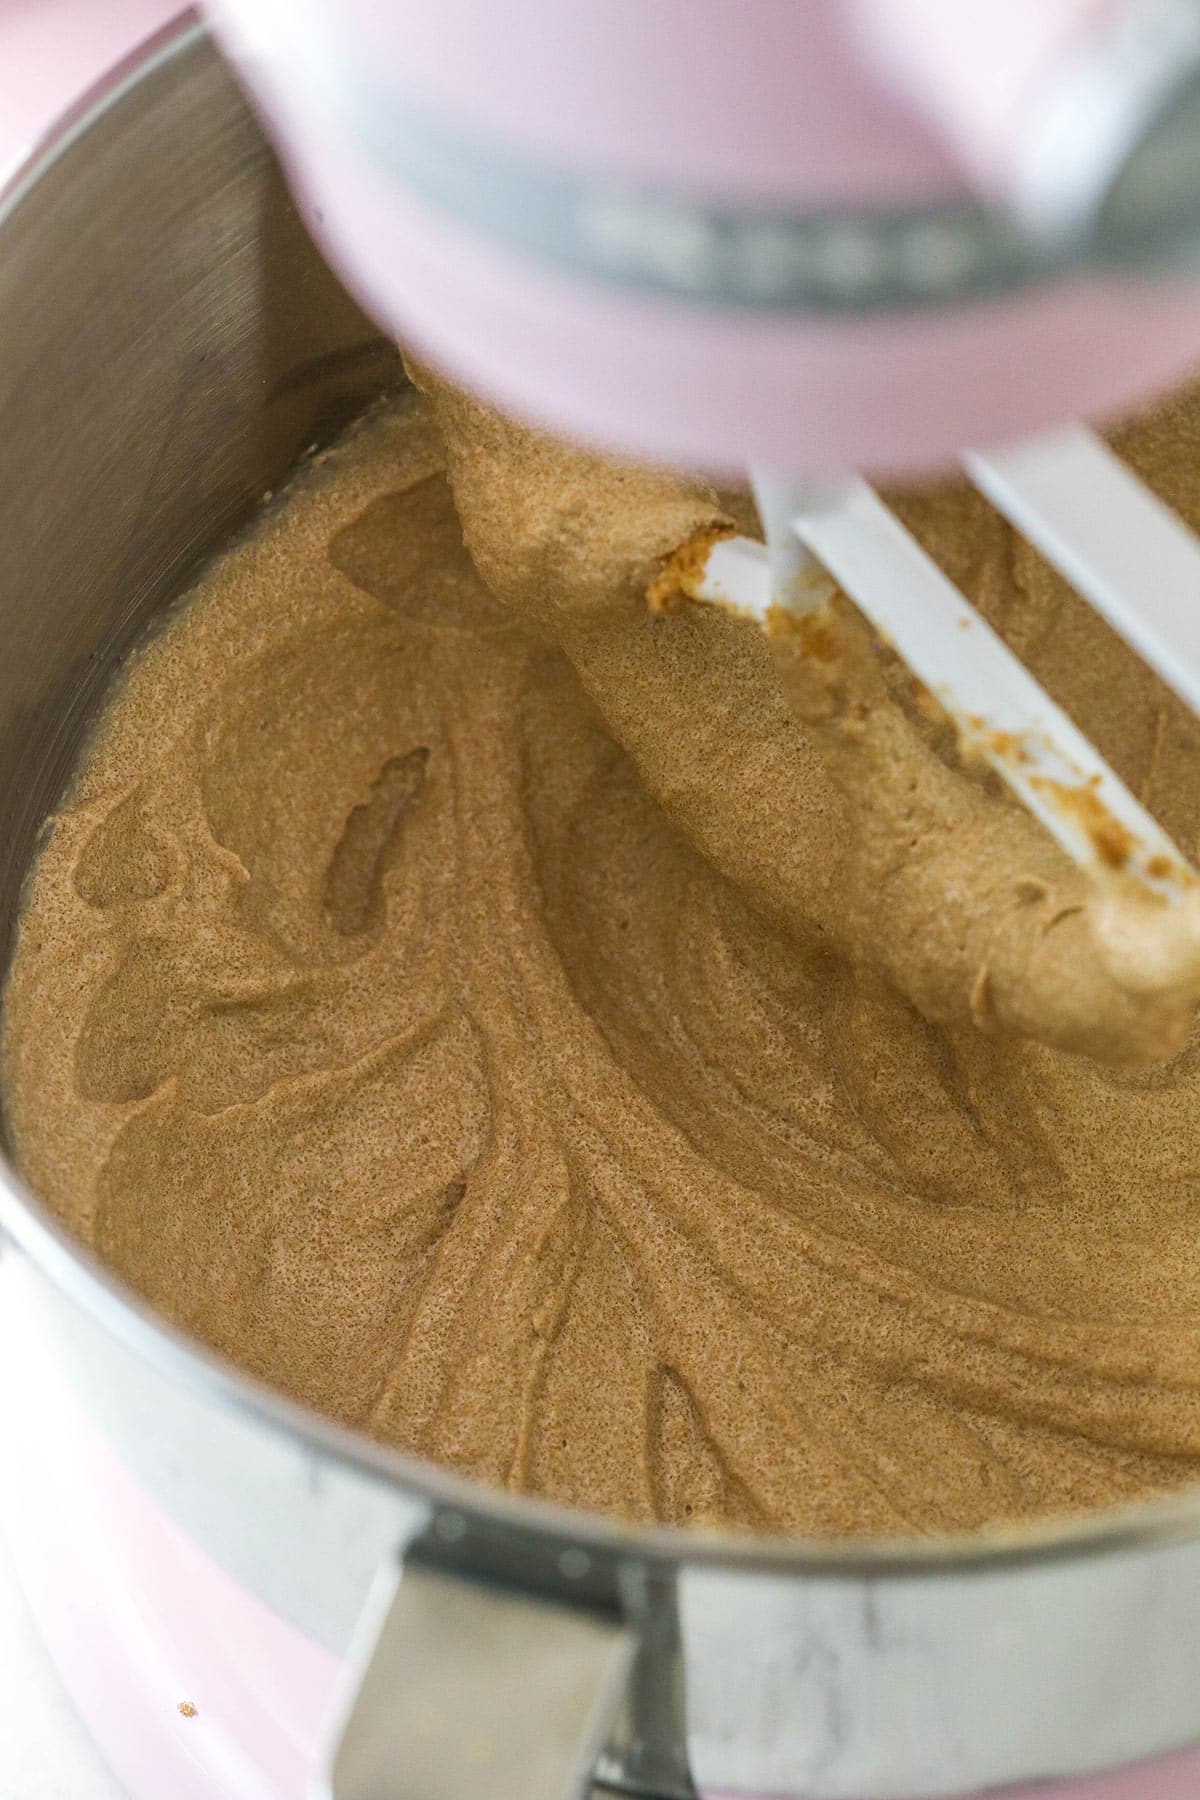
170,343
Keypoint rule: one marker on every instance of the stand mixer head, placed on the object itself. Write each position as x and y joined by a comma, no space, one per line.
815,237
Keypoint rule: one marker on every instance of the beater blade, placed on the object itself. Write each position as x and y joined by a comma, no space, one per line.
1002,714
1125,551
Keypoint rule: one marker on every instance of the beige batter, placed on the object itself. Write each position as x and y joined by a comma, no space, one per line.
610,1053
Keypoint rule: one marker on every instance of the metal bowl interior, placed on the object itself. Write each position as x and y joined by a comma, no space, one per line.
170,345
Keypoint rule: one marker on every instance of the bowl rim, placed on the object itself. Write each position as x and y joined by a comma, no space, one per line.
79,1276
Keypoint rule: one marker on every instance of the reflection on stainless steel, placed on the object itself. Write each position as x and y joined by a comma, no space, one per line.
169,345
445,1671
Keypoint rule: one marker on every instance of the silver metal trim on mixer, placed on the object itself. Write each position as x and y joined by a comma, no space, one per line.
1109,178
169,345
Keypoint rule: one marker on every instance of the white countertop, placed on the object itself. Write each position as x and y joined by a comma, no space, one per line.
45,1752
50,51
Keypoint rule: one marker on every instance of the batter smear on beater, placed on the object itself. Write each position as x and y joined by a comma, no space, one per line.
589,1048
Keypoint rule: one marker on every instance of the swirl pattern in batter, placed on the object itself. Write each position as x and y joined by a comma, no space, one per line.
414,1006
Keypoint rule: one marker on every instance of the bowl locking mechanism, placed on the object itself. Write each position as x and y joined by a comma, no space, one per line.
459,1685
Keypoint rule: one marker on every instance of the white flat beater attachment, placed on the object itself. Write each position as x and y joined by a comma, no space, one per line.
1088,514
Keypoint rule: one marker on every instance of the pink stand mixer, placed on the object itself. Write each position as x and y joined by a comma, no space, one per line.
796,238
727,236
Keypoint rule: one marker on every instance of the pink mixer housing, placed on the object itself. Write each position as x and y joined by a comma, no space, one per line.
783,102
